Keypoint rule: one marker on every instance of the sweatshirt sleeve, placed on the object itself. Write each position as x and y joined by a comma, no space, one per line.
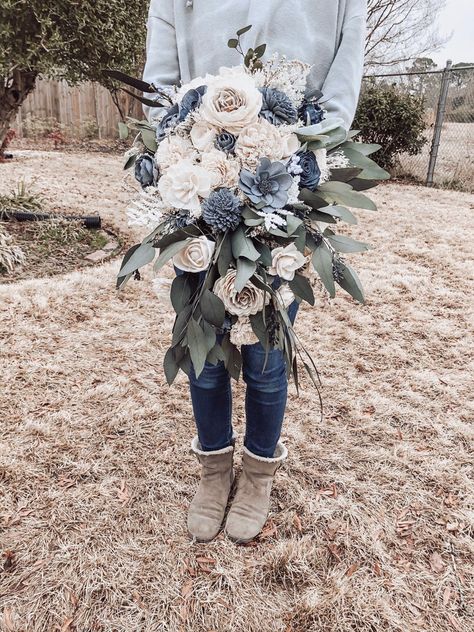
162,66
341,87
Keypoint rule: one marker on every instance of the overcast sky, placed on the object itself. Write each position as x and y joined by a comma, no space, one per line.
458,19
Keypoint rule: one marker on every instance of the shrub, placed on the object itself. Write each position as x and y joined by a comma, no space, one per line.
393,119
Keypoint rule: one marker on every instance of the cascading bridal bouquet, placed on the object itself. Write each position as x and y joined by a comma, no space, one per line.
243,183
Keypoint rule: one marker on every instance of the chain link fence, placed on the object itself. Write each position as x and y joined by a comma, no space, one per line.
447,158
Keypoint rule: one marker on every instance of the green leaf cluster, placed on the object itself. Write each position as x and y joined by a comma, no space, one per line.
393,119
75,41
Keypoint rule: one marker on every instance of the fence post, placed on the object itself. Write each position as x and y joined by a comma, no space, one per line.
441,111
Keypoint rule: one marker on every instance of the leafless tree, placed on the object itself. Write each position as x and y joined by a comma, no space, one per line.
402,30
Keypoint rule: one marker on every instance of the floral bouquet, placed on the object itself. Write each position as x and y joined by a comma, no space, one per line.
244,181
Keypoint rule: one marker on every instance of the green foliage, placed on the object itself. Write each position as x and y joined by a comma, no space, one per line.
392,119
73,41
21,199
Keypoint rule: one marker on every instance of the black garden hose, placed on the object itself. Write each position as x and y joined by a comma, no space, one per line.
91,221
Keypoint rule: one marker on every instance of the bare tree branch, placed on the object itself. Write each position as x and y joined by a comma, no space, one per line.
400,31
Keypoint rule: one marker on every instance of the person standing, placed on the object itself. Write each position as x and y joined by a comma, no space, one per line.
187,39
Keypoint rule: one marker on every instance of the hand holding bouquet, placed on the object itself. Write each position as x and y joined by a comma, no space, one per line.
243,183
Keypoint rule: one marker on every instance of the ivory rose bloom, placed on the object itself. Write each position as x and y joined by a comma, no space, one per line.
256,140
225,171
203,135
250,300
173,149
285,261
285,295
290,143
196,255
242,333
183,184
231,102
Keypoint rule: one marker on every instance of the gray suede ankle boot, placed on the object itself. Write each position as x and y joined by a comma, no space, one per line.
249,509
207,509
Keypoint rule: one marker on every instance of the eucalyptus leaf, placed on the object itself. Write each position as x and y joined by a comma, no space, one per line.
180,324
342,193
215,355
292,223
242,246
122,279
367,149
259,328
244,30
322,263
178,235
265,253
346,174
197,345
180,292
167,253
370,169
232,357
170,365
149,139
340,212
210,335
301,288
131,160
341,243
245,269
350,282
233,43
225,257
212,308
123,130
141,256
312,199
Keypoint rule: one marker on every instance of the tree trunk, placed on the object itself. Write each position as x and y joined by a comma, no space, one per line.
13,92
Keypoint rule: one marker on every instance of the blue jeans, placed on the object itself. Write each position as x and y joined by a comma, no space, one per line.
265,399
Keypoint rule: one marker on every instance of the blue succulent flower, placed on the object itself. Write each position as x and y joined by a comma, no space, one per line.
191,101
225,142
311,173
168,122
277,107
145,170
268,186
222,210
310,112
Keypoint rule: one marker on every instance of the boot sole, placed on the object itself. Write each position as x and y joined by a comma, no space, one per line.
201,540
240,540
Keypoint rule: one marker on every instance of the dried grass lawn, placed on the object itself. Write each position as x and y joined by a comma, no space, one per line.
371,525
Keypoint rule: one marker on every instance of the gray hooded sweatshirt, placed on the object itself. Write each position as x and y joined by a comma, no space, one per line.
188,38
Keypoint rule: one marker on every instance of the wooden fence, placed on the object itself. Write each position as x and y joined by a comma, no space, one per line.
82,109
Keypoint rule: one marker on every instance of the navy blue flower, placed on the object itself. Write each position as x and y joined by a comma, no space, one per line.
225,142
182,218
310,112
145,170
277,108
191,101
168,122
222,210
311,173
268,186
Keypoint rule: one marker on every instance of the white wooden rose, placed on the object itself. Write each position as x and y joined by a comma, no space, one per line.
196,255
183,184
285,261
